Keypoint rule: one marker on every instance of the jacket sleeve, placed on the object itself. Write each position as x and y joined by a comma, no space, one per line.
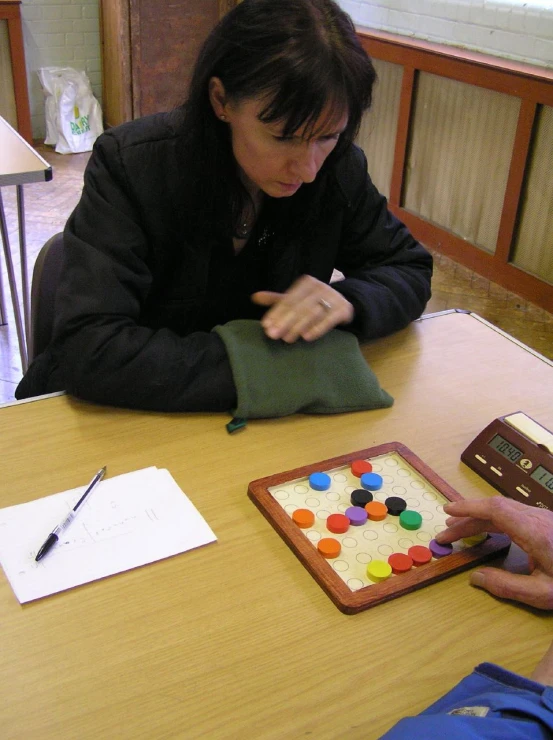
102,352
489,704
387,272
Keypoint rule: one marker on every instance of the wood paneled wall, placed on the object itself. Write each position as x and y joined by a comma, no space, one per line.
472,153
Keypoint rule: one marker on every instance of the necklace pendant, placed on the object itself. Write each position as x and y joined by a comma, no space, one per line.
243,231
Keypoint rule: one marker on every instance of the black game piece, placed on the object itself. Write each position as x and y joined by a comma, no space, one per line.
361,497
395,505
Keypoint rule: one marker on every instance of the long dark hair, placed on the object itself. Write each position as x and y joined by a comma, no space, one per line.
300,56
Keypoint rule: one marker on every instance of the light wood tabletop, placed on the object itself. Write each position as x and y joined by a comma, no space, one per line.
236,639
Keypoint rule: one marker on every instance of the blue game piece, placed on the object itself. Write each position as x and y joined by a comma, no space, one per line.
371,481
319,481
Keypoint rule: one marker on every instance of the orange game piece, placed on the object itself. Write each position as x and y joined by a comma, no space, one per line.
376,510
400,562
337,523
420,554
303,518
329,547
358,467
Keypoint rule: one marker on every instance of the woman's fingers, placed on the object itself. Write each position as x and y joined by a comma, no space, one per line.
309,309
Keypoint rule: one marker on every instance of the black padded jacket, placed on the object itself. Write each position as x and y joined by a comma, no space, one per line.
141,288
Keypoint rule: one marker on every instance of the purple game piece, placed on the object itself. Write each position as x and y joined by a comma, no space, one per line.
439,551
356,515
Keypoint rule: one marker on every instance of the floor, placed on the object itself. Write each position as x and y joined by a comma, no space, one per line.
47,206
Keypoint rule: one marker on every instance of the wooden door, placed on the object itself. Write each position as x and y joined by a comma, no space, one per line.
148,50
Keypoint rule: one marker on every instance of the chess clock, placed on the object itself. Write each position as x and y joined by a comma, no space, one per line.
515,455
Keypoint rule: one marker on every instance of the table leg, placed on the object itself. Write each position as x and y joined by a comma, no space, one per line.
23,254
3,316
13,287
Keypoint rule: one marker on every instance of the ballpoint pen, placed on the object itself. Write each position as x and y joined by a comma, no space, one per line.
55,533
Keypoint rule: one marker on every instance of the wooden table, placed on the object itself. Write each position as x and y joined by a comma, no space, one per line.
19,164
236,640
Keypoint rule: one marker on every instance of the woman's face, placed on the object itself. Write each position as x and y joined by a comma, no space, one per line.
269,162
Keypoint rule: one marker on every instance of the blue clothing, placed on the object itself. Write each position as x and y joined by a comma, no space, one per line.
490,704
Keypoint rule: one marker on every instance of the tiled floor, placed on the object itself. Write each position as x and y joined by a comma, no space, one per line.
47,206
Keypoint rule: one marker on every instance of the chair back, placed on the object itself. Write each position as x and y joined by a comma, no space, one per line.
46,274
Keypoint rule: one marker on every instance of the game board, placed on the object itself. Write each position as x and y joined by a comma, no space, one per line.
397,476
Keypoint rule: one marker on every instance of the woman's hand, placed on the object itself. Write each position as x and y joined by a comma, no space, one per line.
529,527
309,309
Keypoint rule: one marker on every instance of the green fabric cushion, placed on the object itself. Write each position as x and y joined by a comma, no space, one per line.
273,378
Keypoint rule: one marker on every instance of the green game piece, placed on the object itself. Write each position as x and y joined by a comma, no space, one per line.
410,519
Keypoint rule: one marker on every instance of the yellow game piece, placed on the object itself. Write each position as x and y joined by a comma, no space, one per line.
476,539
378,570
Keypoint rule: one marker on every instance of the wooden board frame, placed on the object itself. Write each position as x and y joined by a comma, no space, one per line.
352,602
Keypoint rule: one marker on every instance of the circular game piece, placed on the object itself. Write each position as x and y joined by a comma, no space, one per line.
303,518
319,481
410,519
337,523
329,547
371,481
395,505
356,515
360,497
358,467
378,570
476,539
376,511
400,562
419,554
439,551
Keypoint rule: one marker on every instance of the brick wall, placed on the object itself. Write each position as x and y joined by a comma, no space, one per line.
66,32
60,33
521,30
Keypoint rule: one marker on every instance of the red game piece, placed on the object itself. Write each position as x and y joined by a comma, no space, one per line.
358,467
420,554
337,523
400,562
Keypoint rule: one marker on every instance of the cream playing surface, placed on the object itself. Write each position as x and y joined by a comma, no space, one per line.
374,540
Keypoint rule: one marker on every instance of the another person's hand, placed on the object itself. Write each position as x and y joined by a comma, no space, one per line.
309,309
529,527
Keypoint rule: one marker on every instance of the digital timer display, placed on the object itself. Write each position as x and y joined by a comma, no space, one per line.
514,454
505,448
544,477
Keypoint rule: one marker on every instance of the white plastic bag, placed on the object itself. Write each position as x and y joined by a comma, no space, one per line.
73,115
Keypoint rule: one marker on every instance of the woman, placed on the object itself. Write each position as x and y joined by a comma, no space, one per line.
238,205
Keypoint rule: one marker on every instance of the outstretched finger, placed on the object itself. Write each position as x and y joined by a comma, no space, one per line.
266,297
529,527
459,527
535,590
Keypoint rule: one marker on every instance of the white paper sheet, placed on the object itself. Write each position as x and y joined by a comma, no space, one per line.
127,521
